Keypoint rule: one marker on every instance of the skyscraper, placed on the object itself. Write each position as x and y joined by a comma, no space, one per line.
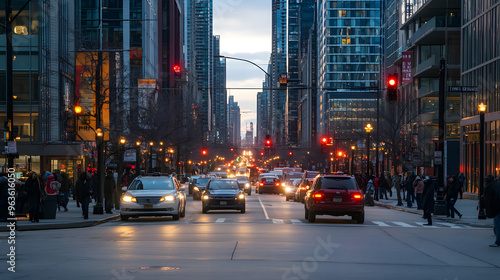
233,122
218,132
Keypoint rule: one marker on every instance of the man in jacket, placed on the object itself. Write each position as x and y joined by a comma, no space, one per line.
452,190
492,205
428,199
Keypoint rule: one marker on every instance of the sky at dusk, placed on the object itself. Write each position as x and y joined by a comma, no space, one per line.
245,32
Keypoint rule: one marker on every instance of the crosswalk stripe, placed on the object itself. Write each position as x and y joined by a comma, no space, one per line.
422,224
403,224
278,221
220,220
382,224
295,221
449,225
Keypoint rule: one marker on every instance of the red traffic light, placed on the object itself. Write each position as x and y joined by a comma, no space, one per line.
392,82
290,153
268,142
204,152
324,140
340,153
392,88
177,69
261,154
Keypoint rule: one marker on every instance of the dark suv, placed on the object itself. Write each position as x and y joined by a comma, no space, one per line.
335,195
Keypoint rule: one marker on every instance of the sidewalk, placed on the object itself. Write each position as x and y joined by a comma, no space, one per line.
71,219
465,206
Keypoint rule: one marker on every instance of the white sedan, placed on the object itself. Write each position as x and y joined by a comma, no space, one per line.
153,196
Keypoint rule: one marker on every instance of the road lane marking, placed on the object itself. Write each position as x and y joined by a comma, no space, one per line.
278,221
381,224
403,224
449,225
263,208
422,224
295,221
220,220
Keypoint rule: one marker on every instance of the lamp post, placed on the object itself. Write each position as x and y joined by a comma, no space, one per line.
368,129
100,171
138,158
482,110
353,149
150,169
161,162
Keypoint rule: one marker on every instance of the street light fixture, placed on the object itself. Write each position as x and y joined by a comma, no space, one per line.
482,110
353,149
98,208
368,129
138,157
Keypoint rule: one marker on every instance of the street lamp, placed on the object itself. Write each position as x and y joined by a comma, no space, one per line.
482,110
368,129
100,171
121,150
151,156
138,157
353,149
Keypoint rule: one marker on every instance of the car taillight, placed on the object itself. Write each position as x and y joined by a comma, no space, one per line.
277,184
357,196
318,195
261,184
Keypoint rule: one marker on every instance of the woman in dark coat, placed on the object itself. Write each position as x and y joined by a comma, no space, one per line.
84,188
428,200
34,189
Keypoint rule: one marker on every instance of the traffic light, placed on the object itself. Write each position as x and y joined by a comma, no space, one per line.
204,152
340,153
324,143
392,88
290,153
261,154
268,142
177,69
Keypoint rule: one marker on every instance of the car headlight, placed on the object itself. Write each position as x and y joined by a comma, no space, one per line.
167,198
196,189
205,197
288,189
128,198
247,185
282,184
241,196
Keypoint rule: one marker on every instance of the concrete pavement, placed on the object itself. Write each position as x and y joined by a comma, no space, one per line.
468,208
71,219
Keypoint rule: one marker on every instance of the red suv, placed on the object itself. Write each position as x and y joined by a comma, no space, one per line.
335,195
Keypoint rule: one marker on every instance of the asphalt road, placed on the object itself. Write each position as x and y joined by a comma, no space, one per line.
272,240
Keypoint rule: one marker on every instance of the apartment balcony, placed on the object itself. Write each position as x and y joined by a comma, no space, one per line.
428,68
429,8
434,31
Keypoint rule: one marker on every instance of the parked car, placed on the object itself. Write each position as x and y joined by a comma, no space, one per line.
243,181
269,184
199,185
223,194
153,196
335,195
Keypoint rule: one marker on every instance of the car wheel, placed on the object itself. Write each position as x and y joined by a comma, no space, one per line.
306,216
243,210
175,217
287,199
360,218
124,218
204,210
312,217
183,213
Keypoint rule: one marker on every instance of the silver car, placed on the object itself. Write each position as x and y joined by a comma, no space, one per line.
153,196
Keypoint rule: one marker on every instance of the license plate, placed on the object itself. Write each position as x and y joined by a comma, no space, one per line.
148,205
337,199
223,203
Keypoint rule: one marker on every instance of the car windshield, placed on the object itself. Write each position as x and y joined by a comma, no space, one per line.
223,185
312,174
338,183
243,179
152,184
201,180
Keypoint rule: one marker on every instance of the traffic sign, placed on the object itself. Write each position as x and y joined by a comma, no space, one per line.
462,89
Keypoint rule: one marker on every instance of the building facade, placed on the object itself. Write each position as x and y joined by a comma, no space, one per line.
234,123
218,131
480,68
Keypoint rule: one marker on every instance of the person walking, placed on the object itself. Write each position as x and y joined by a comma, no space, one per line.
451,195
428,199
35,192
85,189
419,189
388,178
377,187
397,186
370,190
64,191
461,182
492,205
383,185
410,191
109,189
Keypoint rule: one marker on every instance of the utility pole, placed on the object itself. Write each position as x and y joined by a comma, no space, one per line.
9,81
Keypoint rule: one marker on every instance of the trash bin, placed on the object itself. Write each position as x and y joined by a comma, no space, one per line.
49,207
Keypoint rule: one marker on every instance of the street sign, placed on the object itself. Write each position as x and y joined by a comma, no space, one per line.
11,147
438,157
462,89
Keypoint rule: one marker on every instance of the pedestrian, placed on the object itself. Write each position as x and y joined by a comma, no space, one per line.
109,189
418,185
451,195
370,190
377,187
492,205
383,185
64,191
85,189
397,186
35,192
428,199
388,178
461,182
410,191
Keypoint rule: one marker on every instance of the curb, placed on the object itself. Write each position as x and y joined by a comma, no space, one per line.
80,224
434,217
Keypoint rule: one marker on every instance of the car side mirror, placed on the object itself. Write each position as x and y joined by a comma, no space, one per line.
124,189
182,189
